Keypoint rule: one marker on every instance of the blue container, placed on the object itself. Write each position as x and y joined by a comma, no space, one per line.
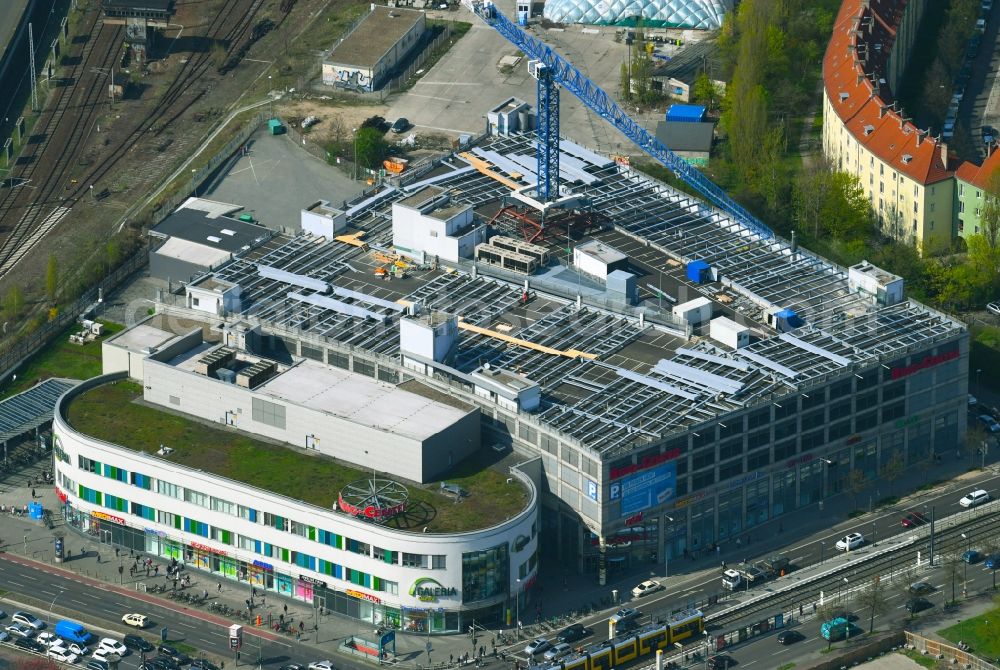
699,272
686,113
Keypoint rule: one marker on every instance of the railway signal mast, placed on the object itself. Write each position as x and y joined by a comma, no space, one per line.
558,71
31,69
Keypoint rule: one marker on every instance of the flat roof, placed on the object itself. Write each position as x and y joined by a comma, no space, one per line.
222,233
362,400
141,337
374,36
192,252
116,413
600,251
623,398
686,135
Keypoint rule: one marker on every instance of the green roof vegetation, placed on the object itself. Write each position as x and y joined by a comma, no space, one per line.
59,358
114,413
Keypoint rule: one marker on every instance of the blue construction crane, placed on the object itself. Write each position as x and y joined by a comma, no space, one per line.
556,70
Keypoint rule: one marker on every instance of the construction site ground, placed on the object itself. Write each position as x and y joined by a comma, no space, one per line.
277,179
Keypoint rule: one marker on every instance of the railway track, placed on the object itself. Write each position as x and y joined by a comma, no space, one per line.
30,214
37,201
984,522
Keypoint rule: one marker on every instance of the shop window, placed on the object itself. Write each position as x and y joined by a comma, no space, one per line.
439,562
485,574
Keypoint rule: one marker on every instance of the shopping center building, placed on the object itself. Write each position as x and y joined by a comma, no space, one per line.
691,384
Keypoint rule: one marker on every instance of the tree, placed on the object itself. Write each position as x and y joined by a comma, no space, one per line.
626,83
370,147
875,600
989,216
952,565
856,483
705,91
13,303
52,278
975,440
893,468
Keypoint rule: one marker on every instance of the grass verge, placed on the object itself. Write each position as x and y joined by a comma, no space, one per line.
111,413
920,659
62,359
977,632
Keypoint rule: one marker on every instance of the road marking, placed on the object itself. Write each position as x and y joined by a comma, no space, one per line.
78,602
185,624
446,130
11,581
447,83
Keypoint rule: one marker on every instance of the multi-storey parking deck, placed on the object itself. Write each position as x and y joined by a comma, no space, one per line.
642,416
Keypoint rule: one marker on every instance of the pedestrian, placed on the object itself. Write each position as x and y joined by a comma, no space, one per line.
156,571
800,609
451,659
814,608
285,607
204,594
723,564
32,494
302,626
718,549
116,552
98,557
220,587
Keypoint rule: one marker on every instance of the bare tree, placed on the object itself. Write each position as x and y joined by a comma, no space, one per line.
875,600
857,482
893,469
975,439
952,565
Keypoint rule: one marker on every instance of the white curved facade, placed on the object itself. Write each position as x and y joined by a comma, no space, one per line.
371,572
697,14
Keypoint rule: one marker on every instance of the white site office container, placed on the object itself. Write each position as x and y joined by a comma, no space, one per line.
694,311
729,333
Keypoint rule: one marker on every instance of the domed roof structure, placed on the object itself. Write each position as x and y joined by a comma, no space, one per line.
698,14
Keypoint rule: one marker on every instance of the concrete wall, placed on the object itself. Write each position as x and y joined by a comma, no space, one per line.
392,453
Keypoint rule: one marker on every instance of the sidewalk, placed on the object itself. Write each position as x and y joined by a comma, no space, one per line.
562,594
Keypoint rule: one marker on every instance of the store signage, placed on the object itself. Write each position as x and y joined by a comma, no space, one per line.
804,458
645,463
648,489
363,596
263,566
908,421
108,517
623,538
205,547
927,362
153,531
370,511
312,580
429,590
745,479
634,519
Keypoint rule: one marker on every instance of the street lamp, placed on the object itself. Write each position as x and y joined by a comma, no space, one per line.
979,388
53,603
354,131
517,609
666,551
847,635
707,640
965,565
822,552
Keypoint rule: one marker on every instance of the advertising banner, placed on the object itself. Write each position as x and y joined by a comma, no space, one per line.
648,488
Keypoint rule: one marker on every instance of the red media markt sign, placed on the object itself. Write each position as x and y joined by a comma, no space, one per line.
370,511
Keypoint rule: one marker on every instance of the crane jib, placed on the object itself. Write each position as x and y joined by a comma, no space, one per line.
590,94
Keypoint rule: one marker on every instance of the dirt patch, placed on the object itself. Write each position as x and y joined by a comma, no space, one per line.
336,121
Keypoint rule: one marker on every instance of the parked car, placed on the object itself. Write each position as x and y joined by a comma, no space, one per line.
914,605
29,645
177,656
971,556
48,639
140,643
77,648
163,663
321,665
990,423
573,633
400,125
27,619
113,645
135,620
993,307
914,519
292,666
850,542
558,651
62,654
977,497
973,401
4,636
537,646
20,630
921,588
790,637
203,664
94,664
647,587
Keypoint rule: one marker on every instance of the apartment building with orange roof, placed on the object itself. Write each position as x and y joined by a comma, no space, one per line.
907,175
971,184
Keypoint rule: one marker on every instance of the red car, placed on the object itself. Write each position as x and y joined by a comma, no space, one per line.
914,519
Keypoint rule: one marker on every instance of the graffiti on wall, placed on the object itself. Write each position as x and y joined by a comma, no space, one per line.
351,79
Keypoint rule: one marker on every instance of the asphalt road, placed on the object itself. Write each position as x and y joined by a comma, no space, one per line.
100,610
